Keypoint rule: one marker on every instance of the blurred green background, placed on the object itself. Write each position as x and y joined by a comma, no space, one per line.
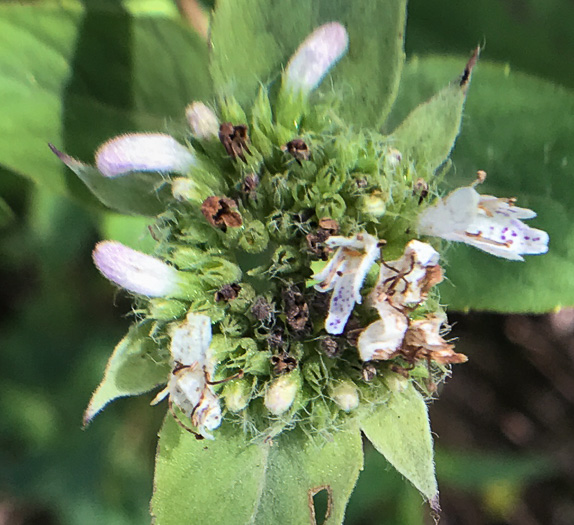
504,422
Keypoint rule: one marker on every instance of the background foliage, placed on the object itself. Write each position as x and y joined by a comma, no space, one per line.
57,327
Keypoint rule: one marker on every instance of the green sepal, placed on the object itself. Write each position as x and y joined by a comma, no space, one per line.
429,132
229,480
400,430
135,193
134,368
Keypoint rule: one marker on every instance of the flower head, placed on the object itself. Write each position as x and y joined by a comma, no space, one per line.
488,223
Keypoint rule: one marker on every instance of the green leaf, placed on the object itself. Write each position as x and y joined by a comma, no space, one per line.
131,370
134,193
132,231
400,431
6,213
230,480
520,130
428,133
254,39
76,76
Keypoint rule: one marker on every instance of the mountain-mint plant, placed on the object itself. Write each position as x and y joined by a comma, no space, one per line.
290,304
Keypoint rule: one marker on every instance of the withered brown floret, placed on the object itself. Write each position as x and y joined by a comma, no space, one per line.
221,212
368,372
423,341
261,309
249,187
316,240
227,292
283,363
331,347
296,308
298,149
235,140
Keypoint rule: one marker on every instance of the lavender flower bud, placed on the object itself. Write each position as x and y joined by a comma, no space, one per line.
315,57
143,152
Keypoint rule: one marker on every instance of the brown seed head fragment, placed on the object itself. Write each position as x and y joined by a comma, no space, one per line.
298,149
423,341
331,347
227,292
235,140
261,309
249,187
296,308
283,363
221,212
369,372
315,241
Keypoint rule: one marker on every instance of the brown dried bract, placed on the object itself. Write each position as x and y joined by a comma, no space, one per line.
296,308
433,276
227,292
249,186
331,347
235,140
262,309
315,241
298,149
283,363
423,341
465,77
368,372
221,212
421,188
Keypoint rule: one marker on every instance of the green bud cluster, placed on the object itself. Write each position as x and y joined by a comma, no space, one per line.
275,364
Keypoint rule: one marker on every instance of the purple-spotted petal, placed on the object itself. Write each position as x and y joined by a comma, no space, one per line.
315,57
135,271
143,152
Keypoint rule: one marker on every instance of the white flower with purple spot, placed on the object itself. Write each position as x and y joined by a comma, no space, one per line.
345,274
489,223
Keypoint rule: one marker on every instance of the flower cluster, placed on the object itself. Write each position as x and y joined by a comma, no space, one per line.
271,235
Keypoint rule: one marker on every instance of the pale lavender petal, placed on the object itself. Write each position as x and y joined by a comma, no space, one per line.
315,56
143,152
135,271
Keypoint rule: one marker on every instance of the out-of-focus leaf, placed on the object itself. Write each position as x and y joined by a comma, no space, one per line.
473,471
520,130
6,213
533,36
253,40
229,480
428,133
400,431
131,231
75,76
134,193
132,370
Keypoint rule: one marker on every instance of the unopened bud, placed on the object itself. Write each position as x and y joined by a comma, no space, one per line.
202,121
345,395
237,394
281,393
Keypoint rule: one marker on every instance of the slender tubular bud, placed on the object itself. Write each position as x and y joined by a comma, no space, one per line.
319,52
143,152
135,271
